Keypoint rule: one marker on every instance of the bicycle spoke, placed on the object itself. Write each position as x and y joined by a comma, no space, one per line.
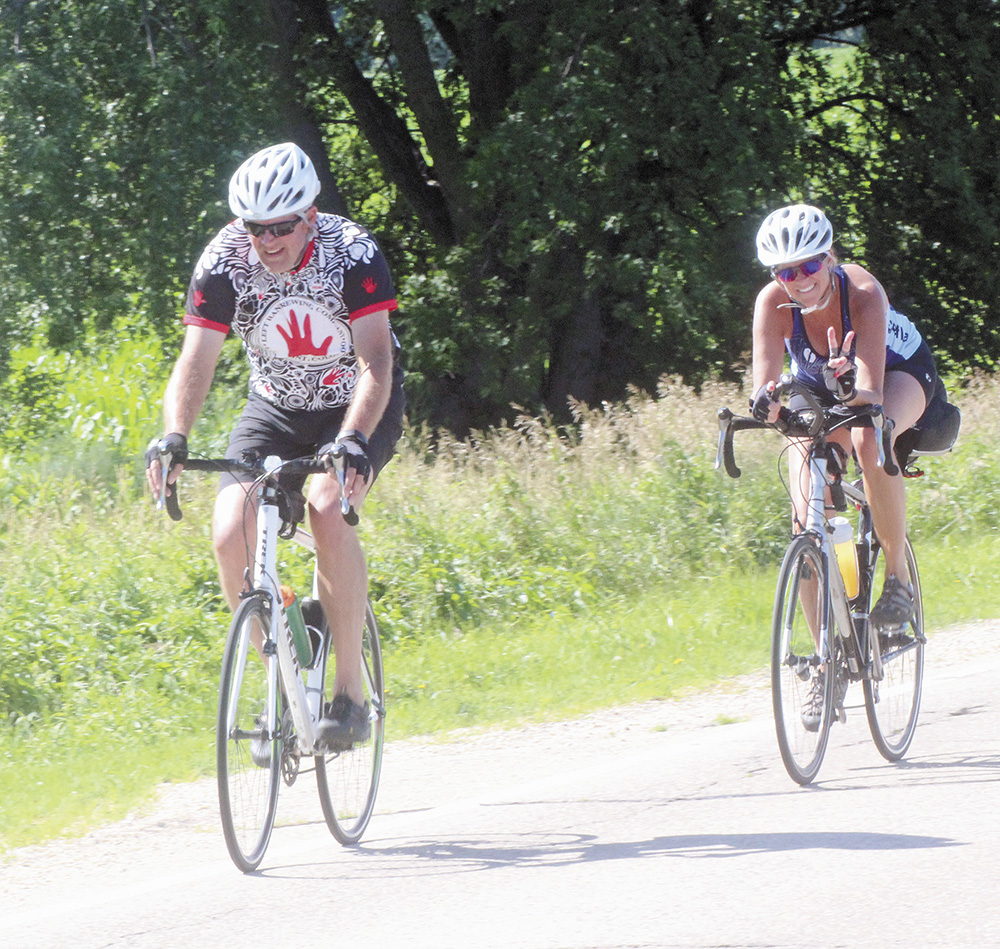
802,704
247,748
893,704
348,780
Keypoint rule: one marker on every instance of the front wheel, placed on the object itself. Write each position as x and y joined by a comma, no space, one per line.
247,752
803,705
893,703
348,780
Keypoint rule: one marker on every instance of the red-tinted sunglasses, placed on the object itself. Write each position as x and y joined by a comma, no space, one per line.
809,268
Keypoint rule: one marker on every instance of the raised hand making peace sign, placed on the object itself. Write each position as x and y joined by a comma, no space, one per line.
840,374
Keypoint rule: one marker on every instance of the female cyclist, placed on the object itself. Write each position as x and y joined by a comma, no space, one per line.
847,344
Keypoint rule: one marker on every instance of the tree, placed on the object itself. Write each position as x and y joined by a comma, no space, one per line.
567,189
596,171
108,163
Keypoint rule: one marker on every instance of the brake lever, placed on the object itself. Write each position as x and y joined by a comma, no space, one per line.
171,501
165,458
349,514
884,425
725,419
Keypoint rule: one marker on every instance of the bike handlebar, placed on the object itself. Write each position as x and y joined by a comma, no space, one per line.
258,468
807,422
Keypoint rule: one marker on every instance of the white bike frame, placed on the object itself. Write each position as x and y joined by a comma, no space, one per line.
304,697
817,523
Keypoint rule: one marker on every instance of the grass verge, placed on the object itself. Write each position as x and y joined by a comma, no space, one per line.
552,666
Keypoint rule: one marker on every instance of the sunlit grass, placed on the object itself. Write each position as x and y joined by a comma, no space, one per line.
552,666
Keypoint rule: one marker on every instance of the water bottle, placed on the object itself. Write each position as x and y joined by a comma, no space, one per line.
847,553
293,610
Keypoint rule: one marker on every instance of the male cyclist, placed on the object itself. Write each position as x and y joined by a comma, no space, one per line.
309,294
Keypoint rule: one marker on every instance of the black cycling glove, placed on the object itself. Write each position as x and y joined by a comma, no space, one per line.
355,451
843,387
175,443
760,404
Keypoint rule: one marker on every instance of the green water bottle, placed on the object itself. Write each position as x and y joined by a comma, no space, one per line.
293,610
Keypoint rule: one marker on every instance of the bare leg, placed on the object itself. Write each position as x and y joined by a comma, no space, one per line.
343,582
234,536
798,480
904,404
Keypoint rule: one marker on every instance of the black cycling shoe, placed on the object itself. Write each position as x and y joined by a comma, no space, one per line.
343,724
895,605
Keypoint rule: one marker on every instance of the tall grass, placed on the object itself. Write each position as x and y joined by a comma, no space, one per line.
525,572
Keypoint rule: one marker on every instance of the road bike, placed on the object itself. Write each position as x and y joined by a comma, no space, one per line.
821,637
274,679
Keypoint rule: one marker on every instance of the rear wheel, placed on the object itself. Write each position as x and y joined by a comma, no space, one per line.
893,703
348,780
247,750
803,706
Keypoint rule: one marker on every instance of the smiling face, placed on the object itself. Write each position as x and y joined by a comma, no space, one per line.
283,254
805,281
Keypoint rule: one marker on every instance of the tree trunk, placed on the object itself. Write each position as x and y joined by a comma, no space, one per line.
577,339
299,122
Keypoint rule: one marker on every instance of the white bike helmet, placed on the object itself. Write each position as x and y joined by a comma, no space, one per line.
275,181
793,233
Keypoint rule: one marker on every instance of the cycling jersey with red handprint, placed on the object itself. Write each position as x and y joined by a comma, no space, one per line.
296,327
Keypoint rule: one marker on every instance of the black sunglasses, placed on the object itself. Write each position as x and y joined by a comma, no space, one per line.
278,229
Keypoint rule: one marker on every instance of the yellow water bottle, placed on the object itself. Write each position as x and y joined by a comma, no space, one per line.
847,553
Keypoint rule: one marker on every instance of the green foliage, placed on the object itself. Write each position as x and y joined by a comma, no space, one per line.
651,646
600,169
110,642
109,154
90,413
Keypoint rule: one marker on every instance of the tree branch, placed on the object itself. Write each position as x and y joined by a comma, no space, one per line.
432,112
387,134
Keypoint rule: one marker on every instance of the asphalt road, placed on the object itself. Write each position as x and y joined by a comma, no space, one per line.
666,824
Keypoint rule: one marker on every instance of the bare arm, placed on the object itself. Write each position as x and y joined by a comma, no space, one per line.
768,340
869,319
187,389
191,378
373,348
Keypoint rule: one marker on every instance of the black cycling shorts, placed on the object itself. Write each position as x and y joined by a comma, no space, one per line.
921,366
269,429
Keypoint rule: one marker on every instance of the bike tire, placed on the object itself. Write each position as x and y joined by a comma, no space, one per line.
796,663
893,704
248,792
348,781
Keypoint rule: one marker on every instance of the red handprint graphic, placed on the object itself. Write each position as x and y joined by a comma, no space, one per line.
369,284
301,344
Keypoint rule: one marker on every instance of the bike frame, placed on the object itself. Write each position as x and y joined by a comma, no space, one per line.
304,697
838,604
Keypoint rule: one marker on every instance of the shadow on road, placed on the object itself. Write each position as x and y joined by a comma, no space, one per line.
553,850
